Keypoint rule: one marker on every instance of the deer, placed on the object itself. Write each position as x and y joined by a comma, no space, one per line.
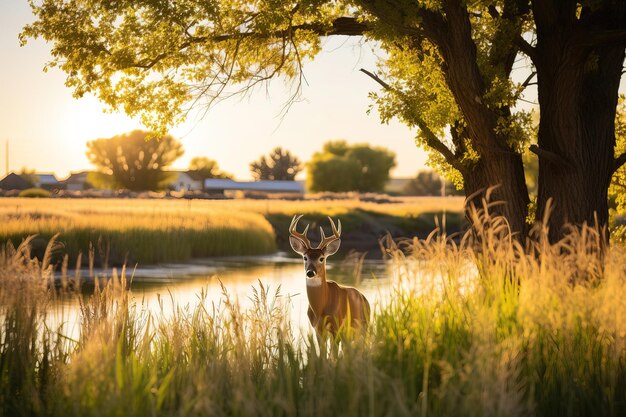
329,303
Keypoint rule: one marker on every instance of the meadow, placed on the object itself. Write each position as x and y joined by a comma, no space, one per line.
474,328
122,231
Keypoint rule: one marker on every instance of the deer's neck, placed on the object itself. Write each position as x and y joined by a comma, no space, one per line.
317,293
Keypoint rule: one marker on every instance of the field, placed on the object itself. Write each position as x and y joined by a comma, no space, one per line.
477,328
150,231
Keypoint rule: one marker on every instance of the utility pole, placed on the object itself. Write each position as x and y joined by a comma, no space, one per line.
6,164
443,194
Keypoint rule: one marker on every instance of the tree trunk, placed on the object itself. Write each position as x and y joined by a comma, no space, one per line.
504,174
578,92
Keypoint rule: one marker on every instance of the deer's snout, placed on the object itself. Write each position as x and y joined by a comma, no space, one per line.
311,273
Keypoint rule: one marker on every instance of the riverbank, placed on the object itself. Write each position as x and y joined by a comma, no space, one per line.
117,231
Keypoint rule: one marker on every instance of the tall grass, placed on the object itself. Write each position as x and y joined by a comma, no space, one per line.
477,328
148,235
151,231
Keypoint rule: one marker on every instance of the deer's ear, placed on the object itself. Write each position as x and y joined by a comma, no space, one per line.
332,247
297,245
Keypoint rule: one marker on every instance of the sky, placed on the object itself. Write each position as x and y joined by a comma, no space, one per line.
48,129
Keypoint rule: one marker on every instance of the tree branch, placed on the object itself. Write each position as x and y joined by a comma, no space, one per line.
594,39
432,23
431,139
619,161
550,156
527,82
342,26
526,48
377,79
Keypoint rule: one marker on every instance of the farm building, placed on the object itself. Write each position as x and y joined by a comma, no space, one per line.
45,181
77,181
14,181
218,185
186,181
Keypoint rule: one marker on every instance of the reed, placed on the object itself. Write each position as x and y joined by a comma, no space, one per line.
475,328
151,231
121,233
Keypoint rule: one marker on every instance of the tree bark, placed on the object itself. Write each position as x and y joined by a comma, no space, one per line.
578,92
504,175
499,165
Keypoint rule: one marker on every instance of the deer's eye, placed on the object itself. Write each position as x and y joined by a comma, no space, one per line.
305,258
322,259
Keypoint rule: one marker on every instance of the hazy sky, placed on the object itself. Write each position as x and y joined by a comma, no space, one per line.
47,128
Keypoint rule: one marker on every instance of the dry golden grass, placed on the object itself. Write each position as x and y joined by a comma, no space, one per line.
165,230
399,206
146,230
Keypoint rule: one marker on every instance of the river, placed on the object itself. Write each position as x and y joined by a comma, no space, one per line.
162,288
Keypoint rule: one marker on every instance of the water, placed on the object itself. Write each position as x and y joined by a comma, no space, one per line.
163,288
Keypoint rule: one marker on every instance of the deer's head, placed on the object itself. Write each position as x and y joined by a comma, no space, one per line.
314,258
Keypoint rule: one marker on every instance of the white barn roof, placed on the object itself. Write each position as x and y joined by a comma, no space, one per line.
267,186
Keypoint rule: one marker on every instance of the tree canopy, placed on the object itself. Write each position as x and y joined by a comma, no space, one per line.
133,162
342,167
279,165
206,168
446,71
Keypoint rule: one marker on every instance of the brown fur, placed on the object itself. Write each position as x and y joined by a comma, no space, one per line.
330,304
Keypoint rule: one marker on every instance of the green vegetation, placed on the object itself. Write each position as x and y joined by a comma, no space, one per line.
341,167
475,329
119,232
429,183
151,231
35,193
135,160
206,168
279,165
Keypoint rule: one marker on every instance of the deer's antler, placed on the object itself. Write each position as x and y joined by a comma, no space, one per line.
336,234
296,234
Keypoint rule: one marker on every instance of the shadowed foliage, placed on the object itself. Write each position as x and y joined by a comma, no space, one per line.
279,165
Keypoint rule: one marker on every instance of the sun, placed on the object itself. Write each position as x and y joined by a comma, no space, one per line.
85,119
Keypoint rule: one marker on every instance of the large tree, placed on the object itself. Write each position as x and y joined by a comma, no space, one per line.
135,160
447,72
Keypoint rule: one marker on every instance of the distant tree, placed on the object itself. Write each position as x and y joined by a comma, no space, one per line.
28,175
327,172
428,183
133,161
374,166
207,168
278,165
343,167
102,181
